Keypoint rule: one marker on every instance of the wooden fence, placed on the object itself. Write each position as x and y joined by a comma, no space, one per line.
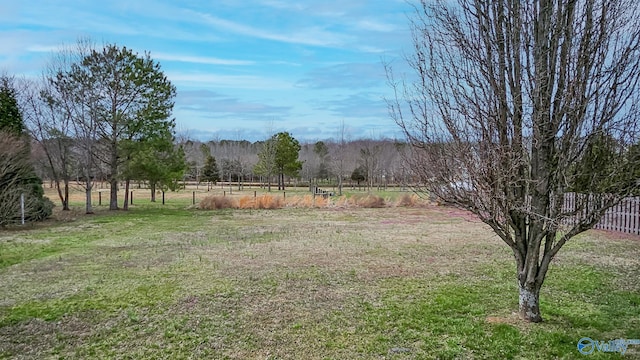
624,217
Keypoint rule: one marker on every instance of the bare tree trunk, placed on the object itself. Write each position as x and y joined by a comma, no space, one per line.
113,180
152,185
529,303
125,206
64,198
113,194
88,205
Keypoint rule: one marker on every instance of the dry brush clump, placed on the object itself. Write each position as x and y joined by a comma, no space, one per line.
308,201
268,201
217,202
247,202
410,200
370,201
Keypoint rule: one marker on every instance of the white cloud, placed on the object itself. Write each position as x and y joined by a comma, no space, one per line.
314,35
373,25
199,59
211,80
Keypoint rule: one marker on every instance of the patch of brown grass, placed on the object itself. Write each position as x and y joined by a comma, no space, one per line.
370,201
246,202
269,202
408,200
217,202
307,201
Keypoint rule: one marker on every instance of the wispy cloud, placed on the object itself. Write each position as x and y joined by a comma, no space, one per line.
314,35
228,81
199,59
374,25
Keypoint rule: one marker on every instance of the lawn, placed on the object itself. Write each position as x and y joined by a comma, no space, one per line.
339,282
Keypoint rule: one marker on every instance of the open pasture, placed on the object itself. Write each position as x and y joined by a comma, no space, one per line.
336,282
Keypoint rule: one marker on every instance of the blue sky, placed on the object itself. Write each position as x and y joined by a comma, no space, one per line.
243,69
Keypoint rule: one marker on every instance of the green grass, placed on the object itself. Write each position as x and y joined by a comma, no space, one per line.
395,283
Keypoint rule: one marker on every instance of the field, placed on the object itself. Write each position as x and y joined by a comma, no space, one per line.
337,282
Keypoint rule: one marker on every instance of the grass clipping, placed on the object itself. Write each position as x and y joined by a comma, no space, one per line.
269,201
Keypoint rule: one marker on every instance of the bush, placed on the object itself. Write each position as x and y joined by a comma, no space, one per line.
307,201
370,201
217,202
269,202
408,200
18,178
246,202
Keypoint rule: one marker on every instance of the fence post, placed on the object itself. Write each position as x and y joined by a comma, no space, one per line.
99,198
163,197
131,197
194,198
22,207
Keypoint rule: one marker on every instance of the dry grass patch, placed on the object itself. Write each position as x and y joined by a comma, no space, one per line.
269,202
409,200
370,201
216,202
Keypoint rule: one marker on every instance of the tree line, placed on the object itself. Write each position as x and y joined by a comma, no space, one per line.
364,162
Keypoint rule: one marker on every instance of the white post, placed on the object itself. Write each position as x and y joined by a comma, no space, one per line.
22,207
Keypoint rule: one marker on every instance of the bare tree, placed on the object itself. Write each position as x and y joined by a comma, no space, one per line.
369,160
339,155
266,165
67,119
505,99
52,134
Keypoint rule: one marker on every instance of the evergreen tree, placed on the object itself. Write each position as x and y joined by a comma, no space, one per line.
287,149
155,159
10,115
210,172
359,174
130,98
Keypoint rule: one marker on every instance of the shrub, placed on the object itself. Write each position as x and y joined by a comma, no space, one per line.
370,201
269,202
407,200
246,202
217,202
17,178
307,201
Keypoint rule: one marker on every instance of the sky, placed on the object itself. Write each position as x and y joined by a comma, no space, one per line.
243,69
